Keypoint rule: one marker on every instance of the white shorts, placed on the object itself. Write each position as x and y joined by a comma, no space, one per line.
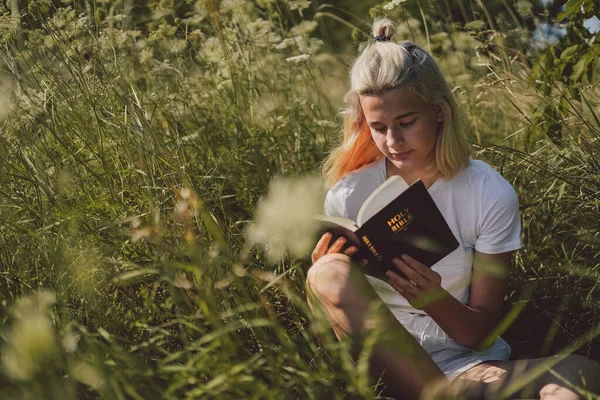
452,358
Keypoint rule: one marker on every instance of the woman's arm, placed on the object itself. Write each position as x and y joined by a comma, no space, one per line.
468,324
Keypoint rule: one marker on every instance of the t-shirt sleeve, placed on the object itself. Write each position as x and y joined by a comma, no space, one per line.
334,202
499,229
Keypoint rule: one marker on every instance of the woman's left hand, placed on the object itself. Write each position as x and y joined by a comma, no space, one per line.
423,286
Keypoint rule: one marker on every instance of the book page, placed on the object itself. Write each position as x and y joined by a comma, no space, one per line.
382,196
345,223
339,226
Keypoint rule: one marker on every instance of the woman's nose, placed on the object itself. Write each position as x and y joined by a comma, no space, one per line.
394,137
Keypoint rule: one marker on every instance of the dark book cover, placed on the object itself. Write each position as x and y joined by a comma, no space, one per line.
410,224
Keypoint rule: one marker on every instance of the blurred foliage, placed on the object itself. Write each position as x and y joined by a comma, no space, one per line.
137,137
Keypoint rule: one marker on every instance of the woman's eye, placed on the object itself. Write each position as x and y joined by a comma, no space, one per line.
380,130
407,124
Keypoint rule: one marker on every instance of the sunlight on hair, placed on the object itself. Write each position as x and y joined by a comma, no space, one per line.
284,218
383,66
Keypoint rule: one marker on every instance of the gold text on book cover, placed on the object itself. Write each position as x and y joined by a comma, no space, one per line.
401,220
372,248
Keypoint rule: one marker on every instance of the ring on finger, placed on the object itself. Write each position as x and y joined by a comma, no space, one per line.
412,288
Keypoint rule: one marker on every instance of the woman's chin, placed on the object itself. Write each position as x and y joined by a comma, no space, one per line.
401,165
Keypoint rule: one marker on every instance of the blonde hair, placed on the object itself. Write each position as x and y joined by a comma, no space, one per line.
382,66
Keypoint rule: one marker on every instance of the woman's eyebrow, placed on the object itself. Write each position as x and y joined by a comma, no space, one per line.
398,117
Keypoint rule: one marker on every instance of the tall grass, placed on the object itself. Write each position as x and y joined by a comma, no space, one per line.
130,166
133,153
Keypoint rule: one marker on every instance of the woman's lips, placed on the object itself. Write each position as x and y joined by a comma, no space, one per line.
400,156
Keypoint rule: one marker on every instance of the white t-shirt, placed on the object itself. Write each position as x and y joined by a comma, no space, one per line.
479,205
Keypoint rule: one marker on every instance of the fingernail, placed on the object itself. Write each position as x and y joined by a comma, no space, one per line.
404,257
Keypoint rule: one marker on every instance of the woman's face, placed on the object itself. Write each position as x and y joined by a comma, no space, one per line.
404,128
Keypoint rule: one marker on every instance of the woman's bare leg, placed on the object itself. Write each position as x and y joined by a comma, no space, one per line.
560,378
352,307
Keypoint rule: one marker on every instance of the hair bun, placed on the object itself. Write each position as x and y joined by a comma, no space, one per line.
383,27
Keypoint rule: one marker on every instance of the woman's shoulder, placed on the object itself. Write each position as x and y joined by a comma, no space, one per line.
490,186
479,168
367,172
482,175
347,194
481,183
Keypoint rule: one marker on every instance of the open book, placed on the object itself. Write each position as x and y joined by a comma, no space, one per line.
396,219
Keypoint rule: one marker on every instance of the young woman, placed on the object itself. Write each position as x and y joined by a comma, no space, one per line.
403,120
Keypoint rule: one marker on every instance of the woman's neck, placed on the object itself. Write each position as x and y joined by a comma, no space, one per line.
410,177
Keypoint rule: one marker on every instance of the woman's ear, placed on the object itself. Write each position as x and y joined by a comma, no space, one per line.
439,113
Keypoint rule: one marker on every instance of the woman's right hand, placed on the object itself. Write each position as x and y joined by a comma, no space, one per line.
324,246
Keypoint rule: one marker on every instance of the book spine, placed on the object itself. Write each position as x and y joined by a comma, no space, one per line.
371,248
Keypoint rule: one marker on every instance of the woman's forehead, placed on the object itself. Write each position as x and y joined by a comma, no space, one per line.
398,100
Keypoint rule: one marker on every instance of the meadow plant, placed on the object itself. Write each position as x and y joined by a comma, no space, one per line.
284,221
32,342
136,141
131,160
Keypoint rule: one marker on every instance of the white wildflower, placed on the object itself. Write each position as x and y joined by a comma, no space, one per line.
135,222
31,100
212,51
6,97
284,218
187,203
134,34
525,8
304,28
327,124
298,59
181,207
181,281
87,374
298,4
146,54
142,233
232,5
285,43
392,4
177,46
308,45
165,65
408,28
185,193
8,27
214,251
31,340
262,33
49,42
262,111
70,342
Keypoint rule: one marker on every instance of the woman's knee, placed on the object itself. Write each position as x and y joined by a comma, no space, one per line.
573,364
578,370
574,371
330,278
554,391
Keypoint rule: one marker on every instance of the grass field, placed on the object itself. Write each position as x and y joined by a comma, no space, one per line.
137,138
